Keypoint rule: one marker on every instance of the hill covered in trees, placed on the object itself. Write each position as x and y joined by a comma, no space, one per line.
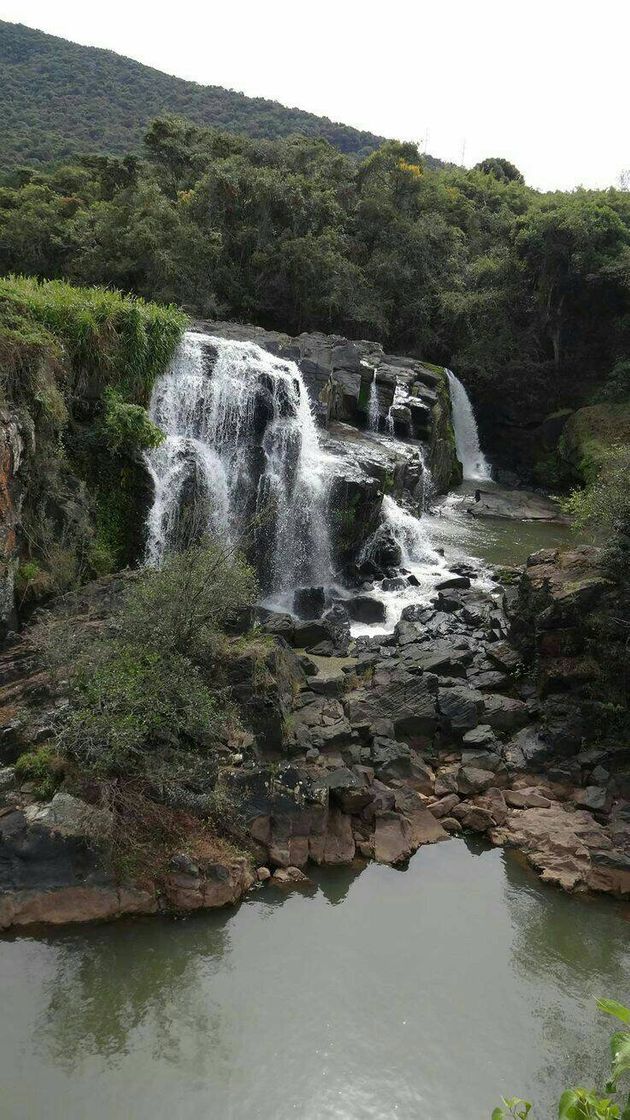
59,99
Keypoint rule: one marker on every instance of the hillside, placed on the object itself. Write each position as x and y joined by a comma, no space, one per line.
58,99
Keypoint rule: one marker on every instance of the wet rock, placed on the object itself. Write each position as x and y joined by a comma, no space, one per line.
263,874
364,608
461,581
309,602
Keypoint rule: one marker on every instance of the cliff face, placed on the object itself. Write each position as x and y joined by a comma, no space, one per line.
11,453
77,368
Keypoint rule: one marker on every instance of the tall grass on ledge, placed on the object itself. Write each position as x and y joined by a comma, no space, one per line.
109,339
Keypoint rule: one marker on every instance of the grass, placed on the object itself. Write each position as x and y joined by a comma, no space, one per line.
106,338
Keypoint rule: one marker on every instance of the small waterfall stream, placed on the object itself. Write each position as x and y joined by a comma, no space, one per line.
241,456
475,465
373,409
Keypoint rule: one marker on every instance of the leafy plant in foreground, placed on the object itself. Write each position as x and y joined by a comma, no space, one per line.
587,1104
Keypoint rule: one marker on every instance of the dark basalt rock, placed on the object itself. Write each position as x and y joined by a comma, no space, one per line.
309,602
363,608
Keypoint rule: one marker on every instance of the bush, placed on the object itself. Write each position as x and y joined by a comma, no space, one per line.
587,1104
144,697
44,767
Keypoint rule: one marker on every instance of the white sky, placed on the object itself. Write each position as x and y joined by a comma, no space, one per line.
542,82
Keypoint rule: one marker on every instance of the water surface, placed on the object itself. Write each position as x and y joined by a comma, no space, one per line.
420,995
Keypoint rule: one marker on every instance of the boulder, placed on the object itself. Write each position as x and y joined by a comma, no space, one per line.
392,838
366,609
444,806
470,780
309,602
460,708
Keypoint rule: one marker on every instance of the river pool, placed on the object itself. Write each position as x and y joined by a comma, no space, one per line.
421,994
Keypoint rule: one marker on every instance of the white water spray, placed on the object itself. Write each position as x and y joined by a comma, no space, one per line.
373,409
241,447
475,465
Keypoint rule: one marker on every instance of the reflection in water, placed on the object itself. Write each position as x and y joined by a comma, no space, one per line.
353,1002
105,988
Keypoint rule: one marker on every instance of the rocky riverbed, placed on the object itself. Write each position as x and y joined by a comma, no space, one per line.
467,718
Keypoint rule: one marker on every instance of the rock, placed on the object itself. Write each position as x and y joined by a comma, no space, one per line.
444,806
70,816
526,799
494,801
471,780
446,781
453,582
451,825
392,839
515,504
476,818
460,707
309,602
289,876
592,797
364,608
480,736
526,749
346,788
408,702
263,874
339,844
561,844
503,713
504,655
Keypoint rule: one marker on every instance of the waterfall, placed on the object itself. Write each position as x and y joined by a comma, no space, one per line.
241,457
373,409
475,465
410,533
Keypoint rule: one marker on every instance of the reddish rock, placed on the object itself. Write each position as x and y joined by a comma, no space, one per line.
392,838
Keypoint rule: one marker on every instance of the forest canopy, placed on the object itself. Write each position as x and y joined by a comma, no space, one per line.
470,268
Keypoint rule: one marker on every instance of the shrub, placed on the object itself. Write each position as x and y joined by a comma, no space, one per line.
44,767
587,1104
127,427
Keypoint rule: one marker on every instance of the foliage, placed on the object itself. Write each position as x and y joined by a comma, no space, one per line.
59,99
76,367
127,426
142,700
585,1104
526,294
617,385
44,768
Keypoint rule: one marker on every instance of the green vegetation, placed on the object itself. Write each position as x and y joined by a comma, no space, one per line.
146,712
59,99
526,294
586,1104
77,367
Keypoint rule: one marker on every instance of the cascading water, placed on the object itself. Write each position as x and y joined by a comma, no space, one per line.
475,465
241,456
373,408
410,534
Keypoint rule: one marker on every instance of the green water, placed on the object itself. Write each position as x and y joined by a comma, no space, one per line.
416,995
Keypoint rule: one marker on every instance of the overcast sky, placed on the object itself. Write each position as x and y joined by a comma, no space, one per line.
542,82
